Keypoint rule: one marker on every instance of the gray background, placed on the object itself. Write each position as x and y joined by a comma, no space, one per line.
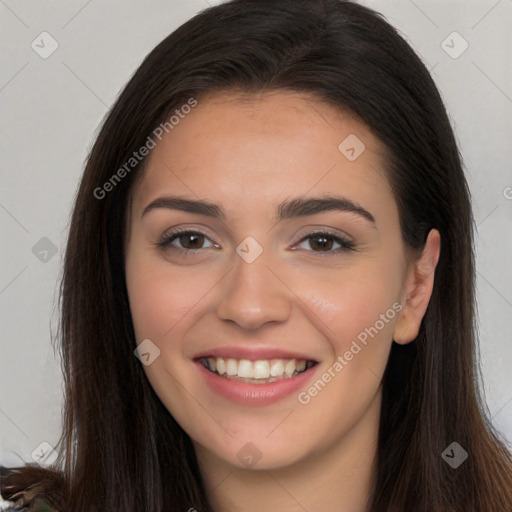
51,109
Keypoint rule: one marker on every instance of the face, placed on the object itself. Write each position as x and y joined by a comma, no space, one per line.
261,249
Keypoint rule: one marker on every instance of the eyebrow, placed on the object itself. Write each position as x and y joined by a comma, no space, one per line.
290,208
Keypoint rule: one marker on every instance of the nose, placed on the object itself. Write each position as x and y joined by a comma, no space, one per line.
254,295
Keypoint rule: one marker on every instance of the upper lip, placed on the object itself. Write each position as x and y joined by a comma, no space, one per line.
252,353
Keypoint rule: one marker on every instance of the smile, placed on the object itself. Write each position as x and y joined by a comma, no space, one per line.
261,371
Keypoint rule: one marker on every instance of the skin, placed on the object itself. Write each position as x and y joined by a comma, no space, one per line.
247,154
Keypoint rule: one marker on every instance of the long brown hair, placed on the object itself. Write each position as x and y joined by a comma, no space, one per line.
121,449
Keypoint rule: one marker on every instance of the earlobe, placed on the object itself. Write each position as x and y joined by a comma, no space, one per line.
418,287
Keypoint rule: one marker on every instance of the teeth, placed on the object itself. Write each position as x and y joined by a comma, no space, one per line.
261,370
277,368
245,369
221,366
256,370
301,365
289,368
231,367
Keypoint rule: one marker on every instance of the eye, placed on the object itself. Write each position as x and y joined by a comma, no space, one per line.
187,240
325,242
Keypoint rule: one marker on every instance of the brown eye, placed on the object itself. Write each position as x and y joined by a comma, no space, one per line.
327,243
321,242
185,241
191,241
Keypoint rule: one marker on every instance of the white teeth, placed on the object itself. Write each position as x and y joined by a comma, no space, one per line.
261,370
245,369
277,368
289,368
256,370
231,367
221,366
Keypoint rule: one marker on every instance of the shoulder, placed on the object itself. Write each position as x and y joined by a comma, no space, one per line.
38,503
30,489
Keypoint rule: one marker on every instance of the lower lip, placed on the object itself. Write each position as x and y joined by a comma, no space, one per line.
245,393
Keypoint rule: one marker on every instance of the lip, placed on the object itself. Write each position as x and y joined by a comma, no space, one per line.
252,353
248,394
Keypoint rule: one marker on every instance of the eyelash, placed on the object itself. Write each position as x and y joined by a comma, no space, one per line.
345,243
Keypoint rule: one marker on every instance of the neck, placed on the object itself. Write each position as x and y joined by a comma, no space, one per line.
336,479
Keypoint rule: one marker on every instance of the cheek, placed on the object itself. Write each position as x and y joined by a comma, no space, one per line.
162,306
160,299
357,310
351,303
151,304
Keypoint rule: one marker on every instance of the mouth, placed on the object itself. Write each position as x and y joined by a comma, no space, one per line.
260,371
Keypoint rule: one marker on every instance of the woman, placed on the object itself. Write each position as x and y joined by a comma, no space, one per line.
275,221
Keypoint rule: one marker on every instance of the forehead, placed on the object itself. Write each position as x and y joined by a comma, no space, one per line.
249,151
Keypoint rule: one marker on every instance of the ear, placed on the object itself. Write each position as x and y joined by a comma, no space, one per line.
418,285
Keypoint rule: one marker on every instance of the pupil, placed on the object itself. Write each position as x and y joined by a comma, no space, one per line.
193,239
325,243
